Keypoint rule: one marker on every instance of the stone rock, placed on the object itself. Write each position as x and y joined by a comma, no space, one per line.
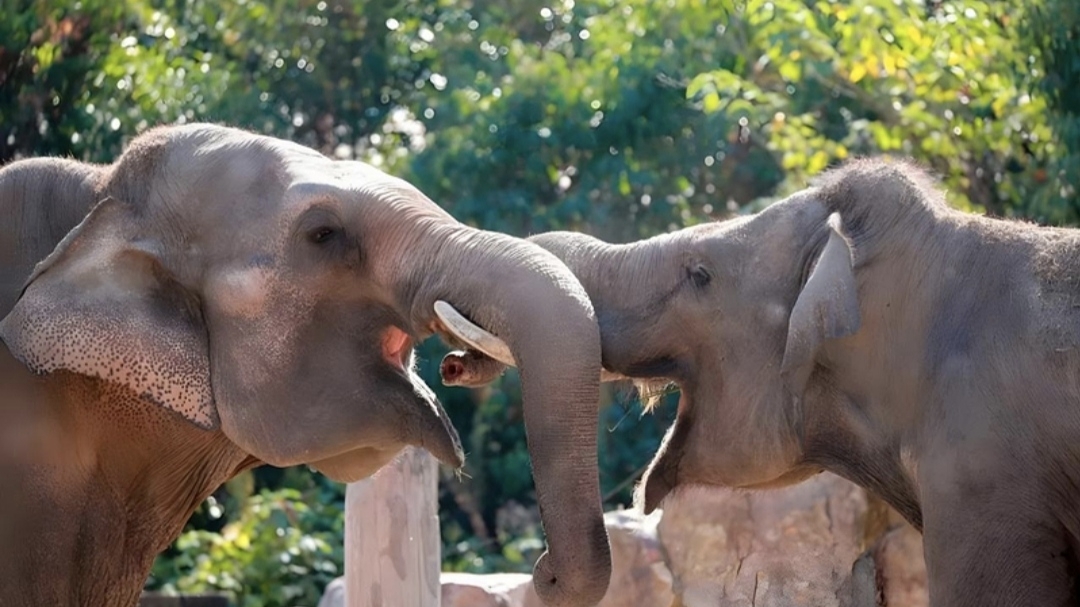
901,569
639,577
490,590
788,547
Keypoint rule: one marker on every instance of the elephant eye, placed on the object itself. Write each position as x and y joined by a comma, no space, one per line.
699,275
322,235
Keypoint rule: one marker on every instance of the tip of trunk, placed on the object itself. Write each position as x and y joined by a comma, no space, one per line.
470,369
580,578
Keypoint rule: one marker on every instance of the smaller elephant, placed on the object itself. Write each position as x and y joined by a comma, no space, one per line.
864,327
216,299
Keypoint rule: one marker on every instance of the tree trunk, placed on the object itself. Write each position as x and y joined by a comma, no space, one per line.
392,545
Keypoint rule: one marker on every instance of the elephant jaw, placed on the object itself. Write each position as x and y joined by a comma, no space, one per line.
429,428
354,465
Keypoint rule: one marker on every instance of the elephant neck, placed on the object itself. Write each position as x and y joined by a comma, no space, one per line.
98,482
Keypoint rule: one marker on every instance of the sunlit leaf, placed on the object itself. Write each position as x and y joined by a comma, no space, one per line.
858,72
711,102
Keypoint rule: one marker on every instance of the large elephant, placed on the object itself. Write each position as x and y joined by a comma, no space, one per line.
228,299
863,327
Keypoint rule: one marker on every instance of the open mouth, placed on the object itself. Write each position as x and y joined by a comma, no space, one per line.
396,348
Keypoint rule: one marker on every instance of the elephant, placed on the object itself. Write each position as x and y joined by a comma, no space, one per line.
861,326
217,299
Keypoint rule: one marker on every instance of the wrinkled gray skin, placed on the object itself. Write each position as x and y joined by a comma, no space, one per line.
231,299
863,327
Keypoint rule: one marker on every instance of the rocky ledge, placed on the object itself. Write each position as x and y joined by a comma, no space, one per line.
821,543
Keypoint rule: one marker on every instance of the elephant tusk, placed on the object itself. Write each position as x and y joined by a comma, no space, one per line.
472,334
479,338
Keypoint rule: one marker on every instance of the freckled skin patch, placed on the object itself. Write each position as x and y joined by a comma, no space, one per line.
166,365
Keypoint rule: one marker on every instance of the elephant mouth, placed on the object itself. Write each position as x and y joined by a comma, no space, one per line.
429,427
664,475
397,348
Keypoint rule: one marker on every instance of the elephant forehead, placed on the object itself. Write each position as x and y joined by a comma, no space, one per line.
356,182
310,186
308,176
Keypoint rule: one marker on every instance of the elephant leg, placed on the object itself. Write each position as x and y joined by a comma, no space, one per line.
987,551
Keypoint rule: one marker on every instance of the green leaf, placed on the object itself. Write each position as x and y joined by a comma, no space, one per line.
711,102
698,84
790,71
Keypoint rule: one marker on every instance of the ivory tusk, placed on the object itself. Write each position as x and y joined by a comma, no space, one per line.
479,338
473,335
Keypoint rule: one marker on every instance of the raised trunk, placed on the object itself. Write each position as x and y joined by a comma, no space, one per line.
522,294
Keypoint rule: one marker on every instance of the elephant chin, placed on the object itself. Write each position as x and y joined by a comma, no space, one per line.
354,465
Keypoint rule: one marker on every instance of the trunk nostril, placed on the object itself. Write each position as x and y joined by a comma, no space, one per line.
452,370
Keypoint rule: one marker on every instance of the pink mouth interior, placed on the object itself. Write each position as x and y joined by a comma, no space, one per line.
396,346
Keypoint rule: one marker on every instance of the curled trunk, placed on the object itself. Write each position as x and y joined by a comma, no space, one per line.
524,295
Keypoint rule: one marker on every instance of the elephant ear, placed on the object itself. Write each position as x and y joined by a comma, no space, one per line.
104,305
827,308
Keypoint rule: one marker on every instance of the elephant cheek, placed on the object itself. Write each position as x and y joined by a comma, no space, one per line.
242,293
355,465
663,474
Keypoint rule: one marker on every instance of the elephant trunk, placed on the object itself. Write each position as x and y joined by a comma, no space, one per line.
524,295
616,277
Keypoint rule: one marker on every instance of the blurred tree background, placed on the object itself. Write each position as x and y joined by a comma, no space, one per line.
621,118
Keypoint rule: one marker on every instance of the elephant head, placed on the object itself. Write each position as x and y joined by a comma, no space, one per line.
750,317
258,288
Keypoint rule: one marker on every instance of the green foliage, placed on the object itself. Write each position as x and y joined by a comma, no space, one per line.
280,549
622,118
583,123
51,58
1052,29
950,84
